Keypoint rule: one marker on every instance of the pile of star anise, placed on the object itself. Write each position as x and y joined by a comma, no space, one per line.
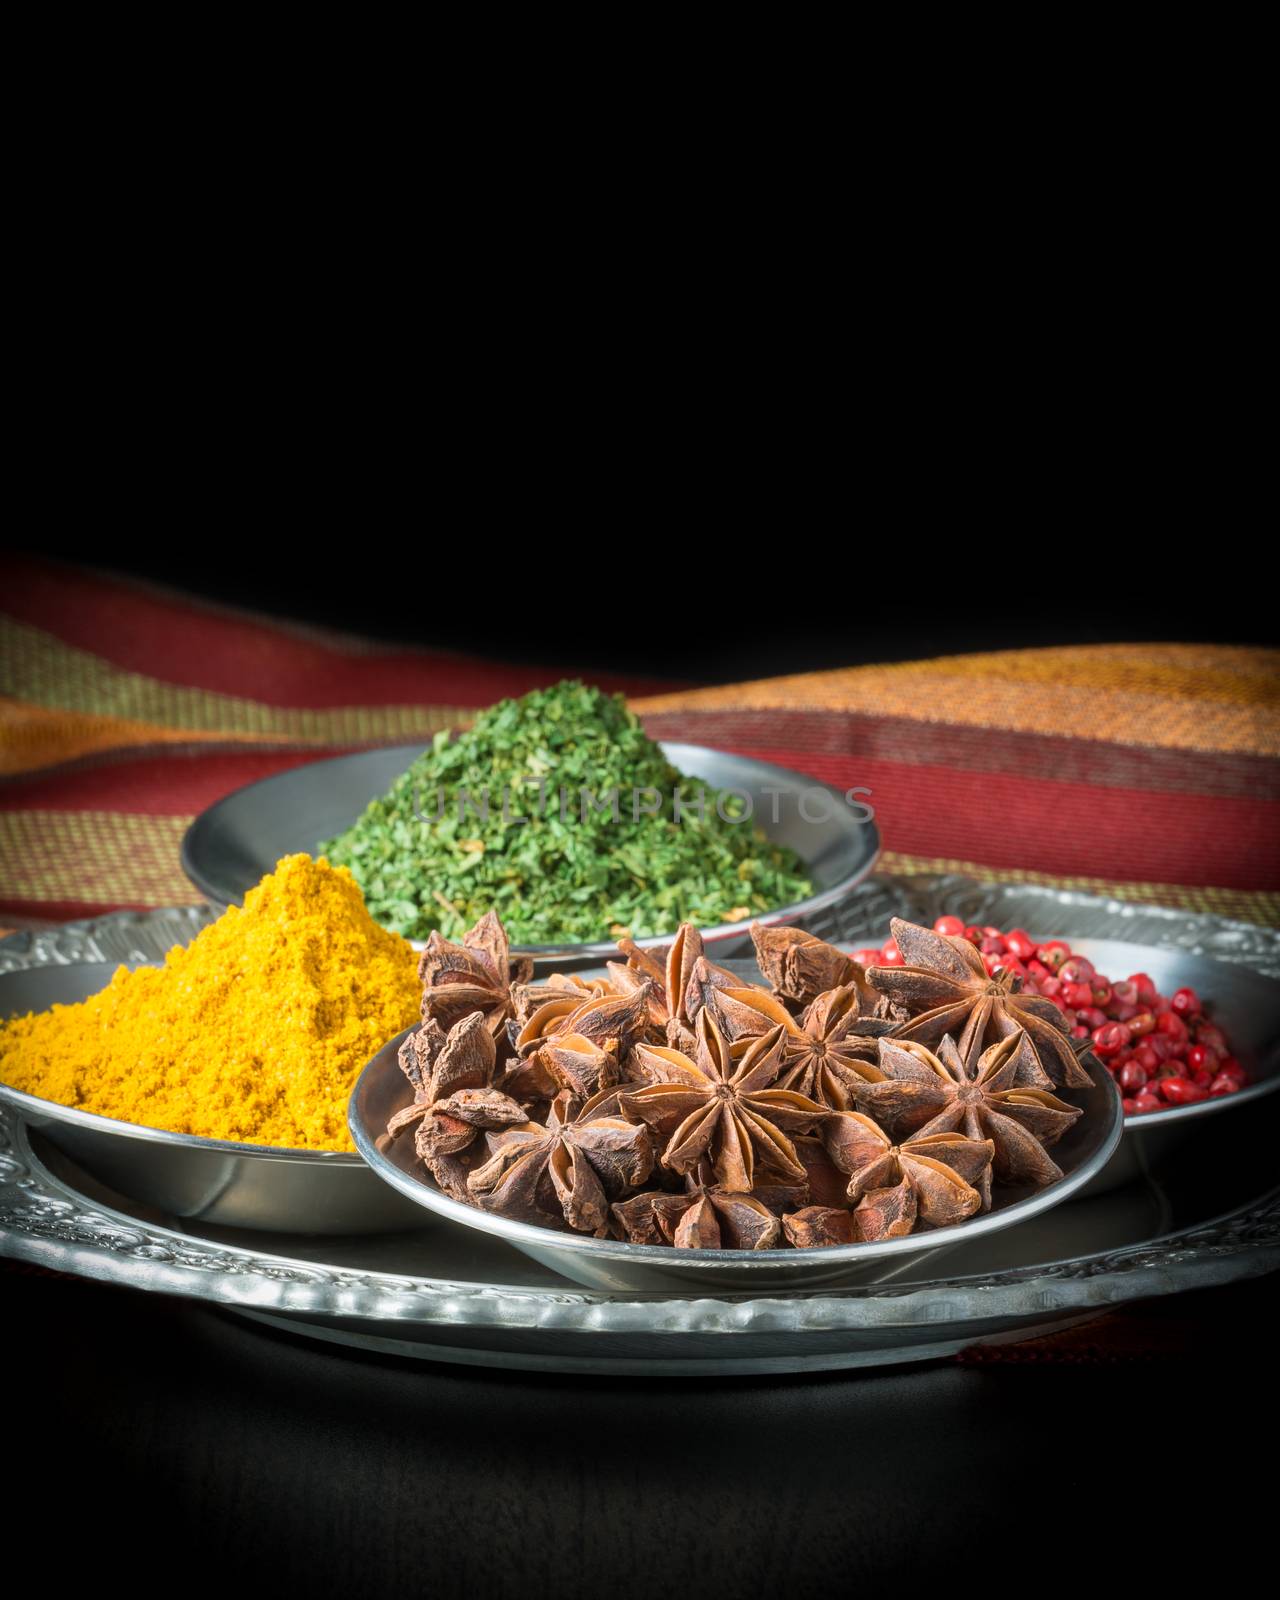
671,1102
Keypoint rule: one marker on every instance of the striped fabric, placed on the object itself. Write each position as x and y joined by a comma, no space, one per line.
1151,772
1147,772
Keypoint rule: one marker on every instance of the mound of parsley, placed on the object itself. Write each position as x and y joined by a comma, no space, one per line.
557,879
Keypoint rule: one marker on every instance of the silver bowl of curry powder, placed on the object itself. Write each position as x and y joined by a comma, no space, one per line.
214,1181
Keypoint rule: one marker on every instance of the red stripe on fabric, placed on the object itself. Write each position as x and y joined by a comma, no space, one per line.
1064,829
1047,826
941,744
180,641
21,916
169,784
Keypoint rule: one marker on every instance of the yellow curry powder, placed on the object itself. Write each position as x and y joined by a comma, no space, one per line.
255,1031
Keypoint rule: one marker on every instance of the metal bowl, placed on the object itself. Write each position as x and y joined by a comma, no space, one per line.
213,1181
234,843
1245,1004
382,1089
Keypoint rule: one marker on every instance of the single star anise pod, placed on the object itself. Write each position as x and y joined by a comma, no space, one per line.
947,990
816,1227
625,979
723,1106
579,1065
922,1093
704,1217
439,1064
475,975
823,1185
826,1185
576,1042
800,966
526,998
932,1179
677,974
453,1096
824,1055
567,1171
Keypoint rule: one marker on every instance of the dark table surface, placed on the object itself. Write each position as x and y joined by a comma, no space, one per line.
156,1437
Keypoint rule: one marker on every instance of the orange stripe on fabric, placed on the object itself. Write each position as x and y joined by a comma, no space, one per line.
33,737
1192,672
1180,697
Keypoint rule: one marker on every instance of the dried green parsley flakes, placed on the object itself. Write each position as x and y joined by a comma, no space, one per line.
559,813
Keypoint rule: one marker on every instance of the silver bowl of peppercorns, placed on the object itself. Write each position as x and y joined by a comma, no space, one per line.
1185,1036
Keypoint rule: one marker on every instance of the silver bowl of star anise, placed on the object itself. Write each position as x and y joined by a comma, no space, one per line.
670,1122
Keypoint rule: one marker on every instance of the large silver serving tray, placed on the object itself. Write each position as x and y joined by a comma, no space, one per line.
453,1294
253,1186
450,1294
383,1089
235,842
215,1181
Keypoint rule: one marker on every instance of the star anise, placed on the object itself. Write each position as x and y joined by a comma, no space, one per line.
576,1042
578,1064
475,975
454,1097
922,1093
567,1171
723,1105
816,1227
438,1064
826,1185
931,1179
677,974
526,998
829,1050
947,990
799,965
704,1217
823,1185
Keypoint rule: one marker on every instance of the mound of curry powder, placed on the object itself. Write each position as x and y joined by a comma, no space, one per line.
256,1031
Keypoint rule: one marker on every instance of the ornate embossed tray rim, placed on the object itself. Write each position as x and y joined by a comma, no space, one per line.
48,1222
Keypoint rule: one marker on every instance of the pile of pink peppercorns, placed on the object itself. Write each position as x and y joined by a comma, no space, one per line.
1162,1052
